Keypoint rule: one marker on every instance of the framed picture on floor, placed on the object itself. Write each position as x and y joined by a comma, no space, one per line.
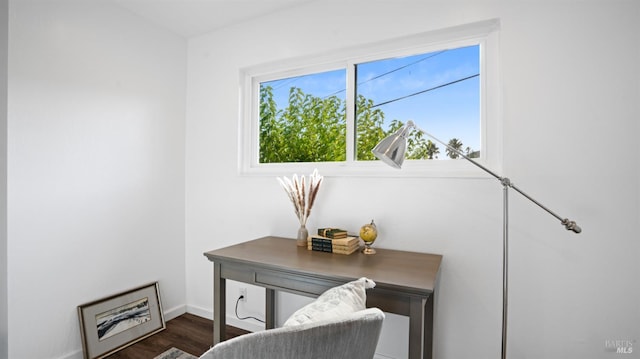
115,322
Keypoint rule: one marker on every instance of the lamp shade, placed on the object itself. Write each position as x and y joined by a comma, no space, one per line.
391,149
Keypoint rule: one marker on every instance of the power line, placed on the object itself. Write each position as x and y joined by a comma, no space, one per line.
391,71
402,67
294,79
427,90
287,82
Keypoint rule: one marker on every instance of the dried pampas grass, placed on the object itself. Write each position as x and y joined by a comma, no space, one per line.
301,198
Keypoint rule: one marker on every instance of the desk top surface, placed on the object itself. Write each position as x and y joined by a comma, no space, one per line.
388,268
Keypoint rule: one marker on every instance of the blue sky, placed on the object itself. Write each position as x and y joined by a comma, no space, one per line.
446,112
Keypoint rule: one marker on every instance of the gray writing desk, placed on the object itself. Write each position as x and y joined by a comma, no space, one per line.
405,281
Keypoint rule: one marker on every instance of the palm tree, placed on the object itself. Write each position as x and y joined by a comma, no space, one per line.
432,149
454,144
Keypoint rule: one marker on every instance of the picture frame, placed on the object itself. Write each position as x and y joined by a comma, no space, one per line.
115,322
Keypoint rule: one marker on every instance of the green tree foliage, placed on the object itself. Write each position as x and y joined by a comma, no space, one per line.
313,129
456,145
271,130
309,129
369,130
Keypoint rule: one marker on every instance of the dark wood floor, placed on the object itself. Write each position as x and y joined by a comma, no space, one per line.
188,332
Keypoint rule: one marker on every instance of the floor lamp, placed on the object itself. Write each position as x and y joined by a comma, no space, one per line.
391,151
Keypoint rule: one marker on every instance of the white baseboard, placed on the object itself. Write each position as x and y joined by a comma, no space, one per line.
174,312
249,324
73,355
199,311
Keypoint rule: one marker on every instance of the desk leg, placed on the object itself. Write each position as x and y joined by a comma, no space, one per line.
416,329
219,305
427,345
270,310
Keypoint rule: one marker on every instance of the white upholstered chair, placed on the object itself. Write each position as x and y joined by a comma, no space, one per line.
353,336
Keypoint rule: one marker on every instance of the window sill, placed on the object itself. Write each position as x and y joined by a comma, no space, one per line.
433,169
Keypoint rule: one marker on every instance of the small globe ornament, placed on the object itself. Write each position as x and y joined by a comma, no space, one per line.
369,233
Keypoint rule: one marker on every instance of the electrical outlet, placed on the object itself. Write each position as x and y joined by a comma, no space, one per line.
243,294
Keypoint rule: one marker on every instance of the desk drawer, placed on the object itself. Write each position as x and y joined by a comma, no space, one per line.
237,272
295,283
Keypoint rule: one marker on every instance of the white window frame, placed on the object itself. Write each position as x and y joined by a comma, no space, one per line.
484,33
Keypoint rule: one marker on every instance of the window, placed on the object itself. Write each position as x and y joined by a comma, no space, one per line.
328,112
303,118
439,91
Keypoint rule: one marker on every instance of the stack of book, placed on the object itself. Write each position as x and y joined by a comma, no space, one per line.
334,233
333,240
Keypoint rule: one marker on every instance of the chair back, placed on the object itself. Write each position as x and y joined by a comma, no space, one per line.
353,336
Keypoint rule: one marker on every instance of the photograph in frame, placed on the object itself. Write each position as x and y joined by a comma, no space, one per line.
115,322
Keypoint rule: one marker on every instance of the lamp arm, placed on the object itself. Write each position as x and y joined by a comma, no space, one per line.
568,224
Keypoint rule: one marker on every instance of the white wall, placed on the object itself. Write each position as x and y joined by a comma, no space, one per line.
4,314
96,167
570,92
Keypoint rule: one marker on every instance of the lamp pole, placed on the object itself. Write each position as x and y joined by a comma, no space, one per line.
391,151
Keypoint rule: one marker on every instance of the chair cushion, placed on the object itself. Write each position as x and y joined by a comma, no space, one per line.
335,302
